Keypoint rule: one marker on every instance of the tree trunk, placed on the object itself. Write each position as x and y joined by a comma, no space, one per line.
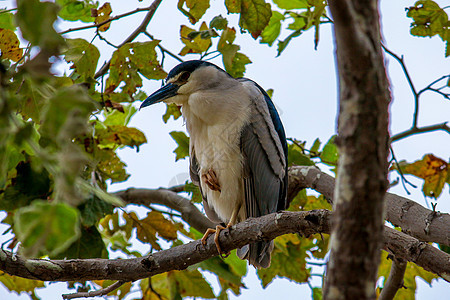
363,149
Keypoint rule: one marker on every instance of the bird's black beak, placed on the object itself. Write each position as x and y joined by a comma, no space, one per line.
167,91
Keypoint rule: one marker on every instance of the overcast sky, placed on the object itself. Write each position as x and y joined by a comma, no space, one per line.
305,93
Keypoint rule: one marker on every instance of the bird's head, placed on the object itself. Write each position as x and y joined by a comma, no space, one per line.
186,79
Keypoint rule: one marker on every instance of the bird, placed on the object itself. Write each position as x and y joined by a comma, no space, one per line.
237,148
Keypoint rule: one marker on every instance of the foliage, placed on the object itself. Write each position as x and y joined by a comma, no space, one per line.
59,136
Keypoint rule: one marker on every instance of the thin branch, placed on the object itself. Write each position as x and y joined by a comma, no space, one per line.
107,21
399,169
395,280
411,85
7,10
180,257
413,218
165,50
417,130
189,212
140,29
98,293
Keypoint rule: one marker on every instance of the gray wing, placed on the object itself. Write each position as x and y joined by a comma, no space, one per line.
265,174
264,159
195,177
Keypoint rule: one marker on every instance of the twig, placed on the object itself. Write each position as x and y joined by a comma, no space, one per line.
162,48
7,10
395,280
140,29
105,40
97,293
416,130
107,21
411,85
399,169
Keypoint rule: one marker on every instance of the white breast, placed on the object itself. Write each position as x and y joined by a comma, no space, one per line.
215,131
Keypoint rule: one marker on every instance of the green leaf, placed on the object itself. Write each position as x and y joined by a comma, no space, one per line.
116,117
194,44
84,57
316,293
89,245
114,136
37,29
6,20
183,144
290,264
315,147
73,10
193,189
171,110
291,4
110,166
93,209
283,44
329,153
130,59
255,16
197,9
189,283
219,23
45,228
296,157
18,284
233,6
66,113
409,279
221,269
272,31
28,185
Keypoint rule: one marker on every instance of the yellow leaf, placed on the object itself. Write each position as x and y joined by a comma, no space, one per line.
196,44
432,169
103,14
9,45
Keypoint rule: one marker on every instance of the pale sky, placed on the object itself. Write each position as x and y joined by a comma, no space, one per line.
305,93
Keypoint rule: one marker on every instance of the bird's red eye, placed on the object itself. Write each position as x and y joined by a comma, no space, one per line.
184,77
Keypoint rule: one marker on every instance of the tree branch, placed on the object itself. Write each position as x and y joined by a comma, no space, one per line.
140,29
107,21
416,130
189,212
395,280
416,95
97,293
413,218
178,258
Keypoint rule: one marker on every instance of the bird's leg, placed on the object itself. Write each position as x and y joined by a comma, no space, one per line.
211,180
219,228
216,232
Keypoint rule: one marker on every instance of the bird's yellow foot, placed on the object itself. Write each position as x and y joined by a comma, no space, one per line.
211,180
216,232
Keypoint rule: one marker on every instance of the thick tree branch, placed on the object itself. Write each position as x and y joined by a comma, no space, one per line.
189,212
363,150
140,29
395,280
180,257
413,218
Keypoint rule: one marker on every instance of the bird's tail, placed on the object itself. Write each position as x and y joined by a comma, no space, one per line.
257,254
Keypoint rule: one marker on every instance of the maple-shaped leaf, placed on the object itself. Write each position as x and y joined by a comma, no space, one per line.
430,168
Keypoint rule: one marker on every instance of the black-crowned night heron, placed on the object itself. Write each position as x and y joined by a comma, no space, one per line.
238,150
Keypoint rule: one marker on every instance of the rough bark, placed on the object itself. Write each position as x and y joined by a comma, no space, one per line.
180,257
363,150
395,280
414,219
